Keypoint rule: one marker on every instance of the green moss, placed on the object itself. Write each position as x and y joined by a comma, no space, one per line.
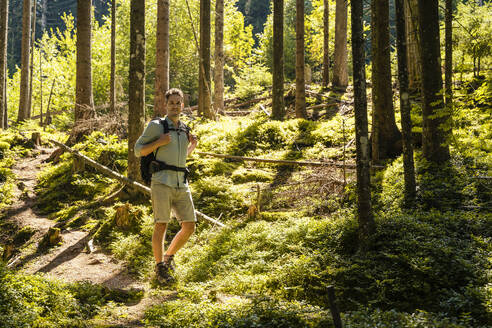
243,175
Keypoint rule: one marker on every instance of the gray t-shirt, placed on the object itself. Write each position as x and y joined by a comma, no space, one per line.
174,153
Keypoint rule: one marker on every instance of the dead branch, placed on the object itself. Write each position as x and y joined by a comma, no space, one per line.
278,161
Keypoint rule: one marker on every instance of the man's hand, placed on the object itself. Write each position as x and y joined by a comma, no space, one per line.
193,142
193,139
164,139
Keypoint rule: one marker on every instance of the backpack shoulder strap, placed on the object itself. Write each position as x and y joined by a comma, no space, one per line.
165,125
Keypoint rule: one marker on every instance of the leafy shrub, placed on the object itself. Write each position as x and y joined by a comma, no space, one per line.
252,80
240,314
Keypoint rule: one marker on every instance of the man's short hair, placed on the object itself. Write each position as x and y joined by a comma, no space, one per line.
174,91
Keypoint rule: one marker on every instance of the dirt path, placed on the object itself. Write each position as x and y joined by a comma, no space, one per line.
71,261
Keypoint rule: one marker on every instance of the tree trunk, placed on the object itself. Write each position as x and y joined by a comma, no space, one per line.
278,110
112,81
340,75
31,64
204,106
448,70
385,135
136,88
84,103
26,43
326,43
406,121
44,9
219,57
4,14
364,208
300,83
161,58
436,120
413,45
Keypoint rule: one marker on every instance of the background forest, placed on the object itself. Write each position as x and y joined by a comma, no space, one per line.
384,204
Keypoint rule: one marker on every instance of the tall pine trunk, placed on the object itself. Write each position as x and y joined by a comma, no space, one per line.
340,75
136,87
4,14
278,110
161,58
385,135
84,101
26,43
326,43
436,119
219,57
406,121
31,64
112,80
448,69
413,45
364,207
204,94
300,83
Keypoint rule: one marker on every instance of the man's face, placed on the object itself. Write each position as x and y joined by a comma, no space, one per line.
174,105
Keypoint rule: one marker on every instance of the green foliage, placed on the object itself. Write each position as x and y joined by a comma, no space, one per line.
33,301
471,36
214,195
238,314
252,80
58,186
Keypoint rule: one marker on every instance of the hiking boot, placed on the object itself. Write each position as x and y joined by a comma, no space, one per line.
163,273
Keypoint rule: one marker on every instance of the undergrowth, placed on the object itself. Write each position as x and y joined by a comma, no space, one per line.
426,267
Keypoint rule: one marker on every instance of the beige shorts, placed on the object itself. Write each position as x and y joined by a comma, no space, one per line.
165,198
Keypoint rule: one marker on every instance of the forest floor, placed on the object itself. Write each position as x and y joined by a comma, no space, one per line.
72,260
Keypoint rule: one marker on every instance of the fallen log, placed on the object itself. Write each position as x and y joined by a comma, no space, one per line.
133,184
281,161
320,106
275,161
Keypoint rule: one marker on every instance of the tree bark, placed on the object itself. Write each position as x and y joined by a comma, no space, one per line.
364,208
31,64
204,105
448,70
413,45
385,135
4,14
26,43
112,81
340,75
300,63
406,121
161,58
326,43
84,101
436,119
136,88
219,57
278,110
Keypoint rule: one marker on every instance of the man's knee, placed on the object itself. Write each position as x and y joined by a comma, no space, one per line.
160,227
188,227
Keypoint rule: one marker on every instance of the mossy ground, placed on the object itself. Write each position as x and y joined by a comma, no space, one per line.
426,267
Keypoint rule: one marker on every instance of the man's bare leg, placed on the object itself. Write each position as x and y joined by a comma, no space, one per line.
157,240
187,229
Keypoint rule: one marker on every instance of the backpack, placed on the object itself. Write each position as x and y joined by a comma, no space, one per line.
146,161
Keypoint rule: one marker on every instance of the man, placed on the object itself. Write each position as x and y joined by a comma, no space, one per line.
169,187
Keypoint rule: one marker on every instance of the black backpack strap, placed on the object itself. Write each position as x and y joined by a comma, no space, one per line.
165,125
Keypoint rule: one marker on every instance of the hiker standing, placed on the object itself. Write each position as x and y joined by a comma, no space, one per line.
169,183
